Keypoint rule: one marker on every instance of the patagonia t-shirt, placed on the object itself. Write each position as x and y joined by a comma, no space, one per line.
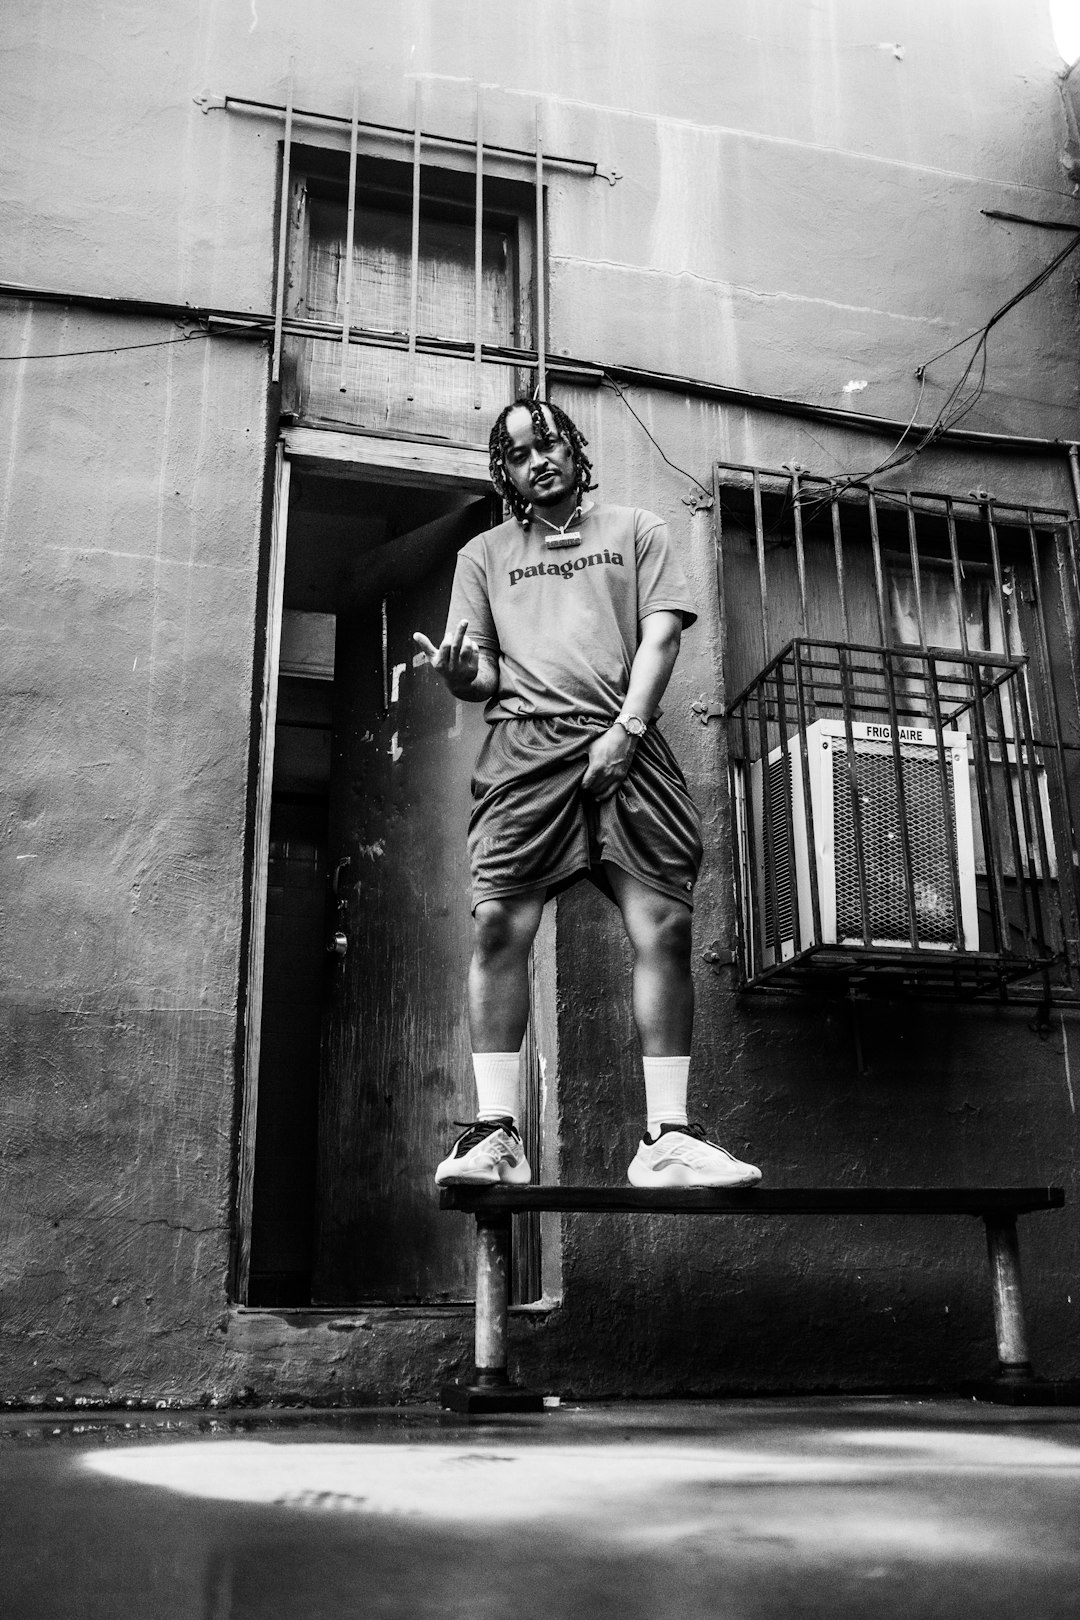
564,624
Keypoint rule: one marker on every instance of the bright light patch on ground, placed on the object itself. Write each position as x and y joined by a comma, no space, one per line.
523,1483
1065,22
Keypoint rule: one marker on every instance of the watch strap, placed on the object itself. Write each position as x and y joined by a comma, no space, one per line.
632,724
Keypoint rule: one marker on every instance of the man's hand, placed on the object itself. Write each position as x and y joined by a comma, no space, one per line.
609,762
457,660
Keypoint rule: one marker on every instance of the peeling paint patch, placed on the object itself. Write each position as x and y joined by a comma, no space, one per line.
455,730
373,851
395,751
395,683
855,386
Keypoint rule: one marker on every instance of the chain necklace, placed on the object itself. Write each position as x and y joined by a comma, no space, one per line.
562,537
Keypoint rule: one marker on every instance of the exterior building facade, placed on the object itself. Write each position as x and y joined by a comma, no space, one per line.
267,275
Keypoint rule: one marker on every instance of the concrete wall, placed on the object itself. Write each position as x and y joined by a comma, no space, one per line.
800,212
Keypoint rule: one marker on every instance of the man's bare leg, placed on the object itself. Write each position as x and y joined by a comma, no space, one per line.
672,1153
491,1151
503,932
658,928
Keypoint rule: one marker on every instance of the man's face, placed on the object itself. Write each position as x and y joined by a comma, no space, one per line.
540,465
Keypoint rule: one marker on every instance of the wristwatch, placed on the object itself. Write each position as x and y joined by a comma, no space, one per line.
632,724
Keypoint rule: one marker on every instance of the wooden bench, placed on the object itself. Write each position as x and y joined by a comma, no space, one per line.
495,1207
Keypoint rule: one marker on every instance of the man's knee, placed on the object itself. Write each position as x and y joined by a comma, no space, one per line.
664,931
503,928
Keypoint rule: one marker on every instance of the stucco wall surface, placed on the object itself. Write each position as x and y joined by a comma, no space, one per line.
800,207
799,210
130,510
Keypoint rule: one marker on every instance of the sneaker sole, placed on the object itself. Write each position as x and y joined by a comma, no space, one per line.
680,1176
514,1178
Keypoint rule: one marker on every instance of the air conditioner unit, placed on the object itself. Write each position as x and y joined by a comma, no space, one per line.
767,861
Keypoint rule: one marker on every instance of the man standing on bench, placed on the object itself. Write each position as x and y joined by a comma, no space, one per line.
574,613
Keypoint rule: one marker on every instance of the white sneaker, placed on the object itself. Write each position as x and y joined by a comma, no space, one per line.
681,1156
485,1153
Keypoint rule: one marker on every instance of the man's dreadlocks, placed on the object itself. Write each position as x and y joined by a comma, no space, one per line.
500,443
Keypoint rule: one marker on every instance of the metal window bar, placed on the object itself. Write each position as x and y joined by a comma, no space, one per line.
411,341
853,779
350,241
283,234
916,571
800,548
588,168
838,558
539,259
940,686
1052,704
988,821
894,723
763,587
1030,806
853,682
808,798
879,575
414,247
754,932
1006,728
901,798
478,255
957,573
789,807
771,918
1028,900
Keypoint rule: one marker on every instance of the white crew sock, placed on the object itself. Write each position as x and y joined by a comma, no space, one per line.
666,1080
496,1084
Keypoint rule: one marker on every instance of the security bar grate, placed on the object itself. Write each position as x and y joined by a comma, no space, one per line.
904,765
421,141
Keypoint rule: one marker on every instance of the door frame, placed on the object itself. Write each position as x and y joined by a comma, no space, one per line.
366,456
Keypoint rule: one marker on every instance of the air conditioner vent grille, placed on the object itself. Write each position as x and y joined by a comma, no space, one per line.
928,820
779,878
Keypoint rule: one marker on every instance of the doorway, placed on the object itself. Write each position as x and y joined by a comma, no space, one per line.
363,1053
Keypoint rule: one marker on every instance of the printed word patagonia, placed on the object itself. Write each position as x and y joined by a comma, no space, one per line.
567,568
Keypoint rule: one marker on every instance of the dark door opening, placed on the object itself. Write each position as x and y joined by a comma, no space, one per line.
364,1059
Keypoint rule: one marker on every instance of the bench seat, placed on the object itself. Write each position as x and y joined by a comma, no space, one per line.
494,1209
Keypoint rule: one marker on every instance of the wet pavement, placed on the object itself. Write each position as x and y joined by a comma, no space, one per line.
778,1508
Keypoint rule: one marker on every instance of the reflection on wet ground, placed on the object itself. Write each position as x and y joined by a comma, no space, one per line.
731,1509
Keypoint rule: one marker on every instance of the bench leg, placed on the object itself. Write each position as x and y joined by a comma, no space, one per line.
1015,1384
1003,1250
491,1389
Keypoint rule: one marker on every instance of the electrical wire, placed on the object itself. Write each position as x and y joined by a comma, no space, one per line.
609,379
116,348
1010,303
957,404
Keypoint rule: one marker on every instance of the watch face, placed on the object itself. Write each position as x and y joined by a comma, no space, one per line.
633,723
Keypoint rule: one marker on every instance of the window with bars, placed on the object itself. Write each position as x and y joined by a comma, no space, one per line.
434,296
903,735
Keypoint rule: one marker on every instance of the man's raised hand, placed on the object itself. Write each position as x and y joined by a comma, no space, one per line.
457,659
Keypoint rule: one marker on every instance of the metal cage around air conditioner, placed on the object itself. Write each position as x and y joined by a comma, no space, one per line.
857,776
892,822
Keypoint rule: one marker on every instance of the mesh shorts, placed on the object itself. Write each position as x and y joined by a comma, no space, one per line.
532,827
